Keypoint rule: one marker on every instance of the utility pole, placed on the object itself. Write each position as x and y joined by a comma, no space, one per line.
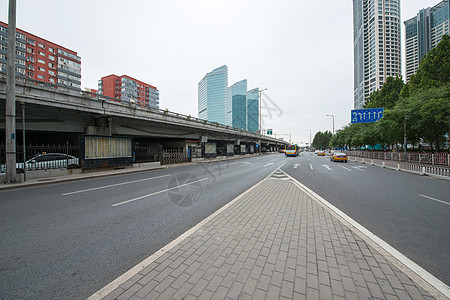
10,112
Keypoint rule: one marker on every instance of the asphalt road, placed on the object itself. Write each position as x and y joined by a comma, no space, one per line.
68,240
408,211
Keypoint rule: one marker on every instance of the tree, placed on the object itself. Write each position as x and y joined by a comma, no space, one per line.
433,121
322,139
388,95
433,71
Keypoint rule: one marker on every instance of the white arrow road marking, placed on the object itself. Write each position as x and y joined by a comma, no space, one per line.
345,168
359,168
327,167
296,165
268,165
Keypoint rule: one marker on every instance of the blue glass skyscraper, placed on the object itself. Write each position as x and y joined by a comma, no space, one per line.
213,100
253,110
424,32
238,94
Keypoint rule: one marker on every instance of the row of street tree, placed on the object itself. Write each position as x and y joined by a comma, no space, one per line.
415,112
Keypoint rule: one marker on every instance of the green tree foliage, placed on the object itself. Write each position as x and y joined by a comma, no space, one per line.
322,140
388,95
419,110
434,68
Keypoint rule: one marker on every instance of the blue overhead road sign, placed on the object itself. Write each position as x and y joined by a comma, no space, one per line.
368,115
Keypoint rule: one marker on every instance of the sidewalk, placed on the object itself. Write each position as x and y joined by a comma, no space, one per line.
275,241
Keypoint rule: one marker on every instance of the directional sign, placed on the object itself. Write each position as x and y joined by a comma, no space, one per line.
368,115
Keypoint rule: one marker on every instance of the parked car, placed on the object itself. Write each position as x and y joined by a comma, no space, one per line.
339,156
47,161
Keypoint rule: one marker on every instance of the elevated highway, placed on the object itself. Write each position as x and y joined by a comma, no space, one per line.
51,109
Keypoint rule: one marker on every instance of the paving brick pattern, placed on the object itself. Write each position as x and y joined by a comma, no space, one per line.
274,243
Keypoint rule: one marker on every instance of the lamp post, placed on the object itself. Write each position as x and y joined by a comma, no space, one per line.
10,109
260,129
333,121
309,137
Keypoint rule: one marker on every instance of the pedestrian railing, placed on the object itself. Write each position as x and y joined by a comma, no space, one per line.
414,167
438,158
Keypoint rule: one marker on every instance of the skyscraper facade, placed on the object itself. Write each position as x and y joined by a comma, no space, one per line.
129,89
41,60
213,100
424,32
376,37
253,110
238,94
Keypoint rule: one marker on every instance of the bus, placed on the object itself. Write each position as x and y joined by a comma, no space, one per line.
291,150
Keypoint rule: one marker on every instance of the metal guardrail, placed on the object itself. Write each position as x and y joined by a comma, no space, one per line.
418,168
438,158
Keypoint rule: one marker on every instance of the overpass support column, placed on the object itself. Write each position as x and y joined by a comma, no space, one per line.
100,126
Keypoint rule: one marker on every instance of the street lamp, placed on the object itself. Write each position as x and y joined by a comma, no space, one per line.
260,129
333,121
309,137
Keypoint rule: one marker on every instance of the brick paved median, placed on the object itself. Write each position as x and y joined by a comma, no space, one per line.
276,242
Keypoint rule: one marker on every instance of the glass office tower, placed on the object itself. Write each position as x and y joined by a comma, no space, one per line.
213,100
238,94
423,33
253,110
376,42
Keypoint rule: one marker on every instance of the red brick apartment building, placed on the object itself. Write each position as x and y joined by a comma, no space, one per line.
41,60
129,89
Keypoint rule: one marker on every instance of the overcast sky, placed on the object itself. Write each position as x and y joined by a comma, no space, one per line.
301,51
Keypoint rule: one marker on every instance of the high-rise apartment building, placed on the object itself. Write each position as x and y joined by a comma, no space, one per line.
377,44
253,110
213,100
238,94
129,89
41,60
424,32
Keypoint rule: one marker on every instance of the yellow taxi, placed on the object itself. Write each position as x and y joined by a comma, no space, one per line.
321,153
339,156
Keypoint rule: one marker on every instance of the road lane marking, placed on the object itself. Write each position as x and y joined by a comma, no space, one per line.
310,165
327,167
296,166
112,185
105,291
156,193
345,168
268,165
359,168
406,265
434,199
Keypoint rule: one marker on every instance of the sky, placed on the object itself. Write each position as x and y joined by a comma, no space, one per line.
301,51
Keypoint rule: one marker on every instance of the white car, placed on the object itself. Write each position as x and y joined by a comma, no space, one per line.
47,161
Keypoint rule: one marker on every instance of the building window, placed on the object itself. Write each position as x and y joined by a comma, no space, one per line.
41,77
41,61
41,69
